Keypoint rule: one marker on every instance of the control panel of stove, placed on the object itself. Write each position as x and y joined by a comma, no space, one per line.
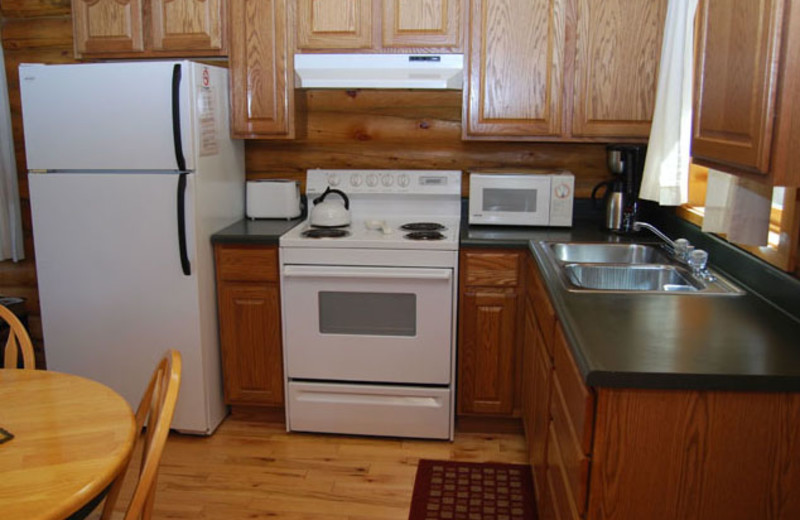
384,181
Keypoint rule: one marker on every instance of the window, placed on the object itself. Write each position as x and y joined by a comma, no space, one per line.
784,226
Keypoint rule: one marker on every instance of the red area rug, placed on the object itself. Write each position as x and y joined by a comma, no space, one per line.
472,491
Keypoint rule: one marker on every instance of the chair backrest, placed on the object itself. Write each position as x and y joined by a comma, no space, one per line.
18,339
155,409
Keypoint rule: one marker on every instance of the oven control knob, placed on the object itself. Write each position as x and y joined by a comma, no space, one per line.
387,180
356,179
403,180
333,179
372,180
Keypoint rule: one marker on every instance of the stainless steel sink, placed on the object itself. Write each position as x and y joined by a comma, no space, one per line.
608,253
628,268
639,278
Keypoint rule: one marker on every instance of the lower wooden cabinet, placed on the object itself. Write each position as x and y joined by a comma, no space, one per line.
486,353
557,411
250,324
541,388
489,313
629,454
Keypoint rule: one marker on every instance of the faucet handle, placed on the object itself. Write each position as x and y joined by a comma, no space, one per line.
698,259
683,248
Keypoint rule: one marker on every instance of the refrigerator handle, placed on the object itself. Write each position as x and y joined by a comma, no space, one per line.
185,265
176,116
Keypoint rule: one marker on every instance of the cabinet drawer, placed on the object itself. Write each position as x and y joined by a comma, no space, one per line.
574,462
545,314
491,268
562,505
578,399
247,263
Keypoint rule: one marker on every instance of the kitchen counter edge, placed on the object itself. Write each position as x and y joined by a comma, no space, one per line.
254,231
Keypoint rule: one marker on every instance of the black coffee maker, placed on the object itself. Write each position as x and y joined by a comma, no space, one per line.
621,197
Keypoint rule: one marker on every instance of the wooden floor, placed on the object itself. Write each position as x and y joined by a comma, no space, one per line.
255,470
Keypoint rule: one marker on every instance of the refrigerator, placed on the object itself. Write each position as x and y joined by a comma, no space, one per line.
131,169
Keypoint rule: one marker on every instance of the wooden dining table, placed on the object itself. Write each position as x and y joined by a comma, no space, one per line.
71,437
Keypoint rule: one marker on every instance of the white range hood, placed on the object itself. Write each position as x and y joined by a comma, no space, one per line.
400,71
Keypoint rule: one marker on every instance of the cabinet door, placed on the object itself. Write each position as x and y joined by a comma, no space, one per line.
187,25
486,351
618,49
107,26
422,23
334,24
250,335
261,71
540,410
736,79
516,68
537,374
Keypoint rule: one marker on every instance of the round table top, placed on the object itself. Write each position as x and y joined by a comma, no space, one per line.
72,437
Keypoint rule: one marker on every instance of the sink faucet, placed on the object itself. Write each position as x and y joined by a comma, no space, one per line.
670,243
696,259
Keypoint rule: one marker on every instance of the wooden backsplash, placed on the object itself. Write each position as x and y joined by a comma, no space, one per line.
411,129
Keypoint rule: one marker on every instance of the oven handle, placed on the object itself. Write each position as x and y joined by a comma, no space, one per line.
307,271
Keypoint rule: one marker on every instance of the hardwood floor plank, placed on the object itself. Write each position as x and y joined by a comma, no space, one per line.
255,470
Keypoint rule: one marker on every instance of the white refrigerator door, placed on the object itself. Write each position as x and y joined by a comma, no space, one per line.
105,116
113,295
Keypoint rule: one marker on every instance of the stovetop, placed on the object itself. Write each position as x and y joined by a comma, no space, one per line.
381,201
378,234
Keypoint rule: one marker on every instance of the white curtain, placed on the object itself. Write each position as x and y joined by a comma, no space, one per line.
10,218
738,207
666,170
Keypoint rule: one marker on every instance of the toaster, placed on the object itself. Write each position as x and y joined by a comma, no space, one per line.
273,198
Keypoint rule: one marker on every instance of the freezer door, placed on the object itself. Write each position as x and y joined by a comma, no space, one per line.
112,291
106,116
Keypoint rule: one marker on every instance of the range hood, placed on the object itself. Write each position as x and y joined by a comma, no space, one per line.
401,71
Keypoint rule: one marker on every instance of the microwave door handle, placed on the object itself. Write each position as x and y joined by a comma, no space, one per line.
362,273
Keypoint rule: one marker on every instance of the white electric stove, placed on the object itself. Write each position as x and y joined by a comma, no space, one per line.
369,314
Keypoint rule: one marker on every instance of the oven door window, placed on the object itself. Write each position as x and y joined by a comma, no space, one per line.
367,313
514,200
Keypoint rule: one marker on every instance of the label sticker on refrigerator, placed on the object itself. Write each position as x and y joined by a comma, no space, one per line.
207,118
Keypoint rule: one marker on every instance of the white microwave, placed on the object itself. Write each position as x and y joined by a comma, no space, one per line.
523,199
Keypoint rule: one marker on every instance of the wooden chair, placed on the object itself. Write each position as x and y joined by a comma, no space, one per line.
18,339
156,407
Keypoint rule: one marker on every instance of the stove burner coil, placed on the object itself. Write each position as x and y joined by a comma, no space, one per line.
425,235
325,233
422,226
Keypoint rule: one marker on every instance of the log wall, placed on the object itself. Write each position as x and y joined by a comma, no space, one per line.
32,31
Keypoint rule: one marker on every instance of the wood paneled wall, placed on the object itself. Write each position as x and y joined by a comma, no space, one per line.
32,31
406,129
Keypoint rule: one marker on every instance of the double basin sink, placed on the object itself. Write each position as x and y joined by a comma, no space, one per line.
629,268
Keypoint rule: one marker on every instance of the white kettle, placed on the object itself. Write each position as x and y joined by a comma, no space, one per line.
331,213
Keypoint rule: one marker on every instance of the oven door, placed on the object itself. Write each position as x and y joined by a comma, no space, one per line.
368,324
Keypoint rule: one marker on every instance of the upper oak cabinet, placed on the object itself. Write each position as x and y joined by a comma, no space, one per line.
261,70
379,25
562,69
334,24
747,89
148,28
515,77
618,49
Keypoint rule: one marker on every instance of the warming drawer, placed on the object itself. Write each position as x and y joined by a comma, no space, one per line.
392,411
